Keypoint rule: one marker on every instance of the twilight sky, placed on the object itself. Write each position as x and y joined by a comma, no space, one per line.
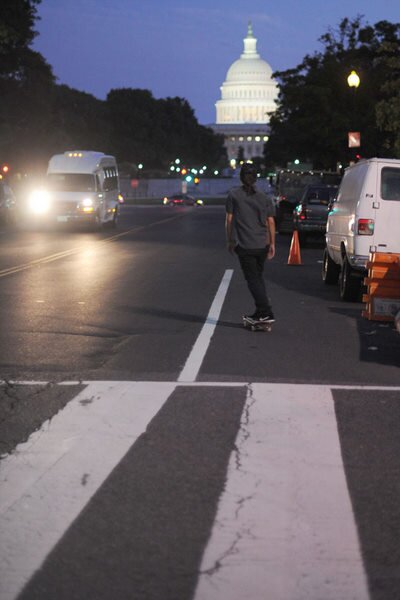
183,47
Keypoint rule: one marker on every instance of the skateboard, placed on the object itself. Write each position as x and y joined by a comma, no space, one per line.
256,326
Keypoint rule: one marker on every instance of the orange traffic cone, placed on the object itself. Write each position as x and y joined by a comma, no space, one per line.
294,252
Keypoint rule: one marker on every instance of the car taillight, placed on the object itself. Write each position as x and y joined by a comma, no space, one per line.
301,212
365,227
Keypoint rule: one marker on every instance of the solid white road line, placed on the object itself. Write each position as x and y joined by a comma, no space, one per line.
192,366
285,528
49,479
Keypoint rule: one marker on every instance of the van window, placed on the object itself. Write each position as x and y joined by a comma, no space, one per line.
390,183
110,183
72,182
110,179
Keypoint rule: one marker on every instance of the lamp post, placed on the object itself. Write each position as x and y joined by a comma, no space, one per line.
354,138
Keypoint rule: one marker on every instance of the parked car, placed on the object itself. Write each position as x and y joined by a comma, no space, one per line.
364,218
311,214
8,204
182,199
289,189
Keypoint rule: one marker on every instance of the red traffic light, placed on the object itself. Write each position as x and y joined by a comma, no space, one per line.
5,168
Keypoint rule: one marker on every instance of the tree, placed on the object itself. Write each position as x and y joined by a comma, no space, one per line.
26,85
154,132
316,108
78,121
17,18
388,109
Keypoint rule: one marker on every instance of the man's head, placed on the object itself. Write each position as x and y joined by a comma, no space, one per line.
248,174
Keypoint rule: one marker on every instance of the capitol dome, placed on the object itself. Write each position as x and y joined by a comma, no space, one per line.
249,92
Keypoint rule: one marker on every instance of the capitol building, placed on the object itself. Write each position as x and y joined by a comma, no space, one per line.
248,95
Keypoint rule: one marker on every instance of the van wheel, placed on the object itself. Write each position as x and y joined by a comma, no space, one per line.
349,284
330,270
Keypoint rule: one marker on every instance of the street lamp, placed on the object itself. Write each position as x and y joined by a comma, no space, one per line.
353,80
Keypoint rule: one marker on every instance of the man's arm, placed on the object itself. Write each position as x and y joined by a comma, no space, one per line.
271,227
229,232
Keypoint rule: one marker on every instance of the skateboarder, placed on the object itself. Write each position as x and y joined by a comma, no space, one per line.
250,233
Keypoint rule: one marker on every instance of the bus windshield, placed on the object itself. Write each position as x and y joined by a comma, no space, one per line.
72,182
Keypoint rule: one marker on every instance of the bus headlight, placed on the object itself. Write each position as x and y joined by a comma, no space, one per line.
87,205
39,202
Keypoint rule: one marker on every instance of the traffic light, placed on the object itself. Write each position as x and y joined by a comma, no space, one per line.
5,168
183,171
196,180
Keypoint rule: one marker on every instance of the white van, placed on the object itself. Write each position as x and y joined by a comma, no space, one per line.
82,187
364,218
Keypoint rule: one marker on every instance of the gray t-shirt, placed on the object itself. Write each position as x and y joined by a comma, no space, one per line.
250,213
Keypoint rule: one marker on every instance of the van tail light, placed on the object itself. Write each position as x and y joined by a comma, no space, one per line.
365,227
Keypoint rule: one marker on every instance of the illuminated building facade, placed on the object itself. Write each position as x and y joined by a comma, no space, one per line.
248,96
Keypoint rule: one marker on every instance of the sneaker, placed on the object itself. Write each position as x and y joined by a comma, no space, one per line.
259,318
269,318
251,318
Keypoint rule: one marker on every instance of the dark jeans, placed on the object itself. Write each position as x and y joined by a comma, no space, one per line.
252,263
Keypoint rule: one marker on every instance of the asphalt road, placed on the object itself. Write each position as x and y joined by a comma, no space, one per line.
129,305
122,478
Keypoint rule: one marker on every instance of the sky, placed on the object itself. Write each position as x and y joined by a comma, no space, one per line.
184,47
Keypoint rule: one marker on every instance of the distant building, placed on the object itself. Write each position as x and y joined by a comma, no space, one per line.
248,94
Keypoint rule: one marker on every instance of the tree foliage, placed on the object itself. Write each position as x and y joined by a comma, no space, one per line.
388,108
155,132
317,109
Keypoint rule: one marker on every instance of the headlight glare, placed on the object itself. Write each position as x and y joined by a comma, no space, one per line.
39,202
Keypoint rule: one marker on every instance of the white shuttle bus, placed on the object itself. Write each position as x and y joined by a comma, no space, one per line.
82,187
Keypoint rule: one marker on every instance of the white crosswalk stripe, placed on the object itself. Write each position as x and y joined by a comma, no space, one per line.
45,483
285,521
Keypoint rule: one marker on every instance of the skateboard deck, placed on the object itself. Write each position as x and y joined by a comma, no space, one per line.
257,326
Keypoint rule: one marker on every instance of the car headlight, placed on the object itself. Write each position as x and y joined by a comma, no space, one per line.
87,202
39,201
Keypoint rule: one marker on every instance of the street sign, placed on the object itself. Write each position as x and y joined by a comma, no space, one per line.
354,138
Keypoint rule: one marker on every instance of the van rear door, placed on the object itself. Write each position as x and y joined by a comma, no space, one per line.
387,214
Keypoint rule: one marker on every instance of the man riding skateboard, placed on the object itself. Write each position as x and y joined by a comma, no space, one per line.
250,233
